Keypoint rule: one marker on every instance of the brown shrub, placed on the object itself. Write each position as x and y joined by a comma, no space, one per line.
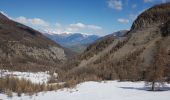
11,84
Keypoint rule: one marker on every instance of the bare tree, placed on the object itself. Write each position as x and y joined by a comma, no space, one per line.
155,73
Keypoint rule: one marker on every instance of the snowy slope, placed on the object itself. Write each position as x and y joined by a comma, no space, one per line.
111,90
39,77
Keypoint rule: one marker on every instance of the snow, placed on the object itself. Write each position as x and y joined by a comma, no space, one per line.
39,77
110,90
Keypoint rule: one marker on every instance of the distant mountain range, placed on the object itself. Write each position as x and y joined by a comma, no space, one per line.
76,42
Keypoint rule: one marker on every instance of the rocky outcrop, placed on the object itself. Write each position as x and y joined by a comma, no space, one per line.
158,14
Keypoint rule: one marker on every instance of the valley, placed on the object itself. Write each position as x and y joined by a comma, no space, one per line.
68,62
76,42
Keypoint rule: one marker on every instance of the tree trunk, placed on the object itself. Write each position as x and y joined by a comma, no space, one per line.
153,86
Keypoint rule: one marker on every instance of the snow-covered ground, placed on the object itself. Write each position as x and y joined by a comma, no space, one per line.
110,90
39,77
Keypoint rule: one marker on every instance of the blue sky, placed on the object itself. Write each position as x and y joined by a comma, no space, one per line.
99,17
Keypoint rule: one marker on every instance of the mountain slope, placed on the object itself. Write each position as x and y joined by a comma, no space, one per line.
130,57
102,43
76,42
22,47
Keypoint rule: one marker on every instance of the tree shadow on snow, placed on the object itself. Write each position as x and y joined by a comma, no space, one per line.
146,88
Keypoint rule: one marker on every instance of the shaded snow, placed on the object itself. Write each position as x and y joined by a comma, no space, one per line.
111,90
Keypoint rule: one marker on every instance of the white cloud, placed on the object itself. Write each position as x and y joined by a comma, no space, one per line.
38,21
57,24
77,25
94,27
147,1
156,1
58,28
124,21
115,4
134,5
80,26
21,19
34,21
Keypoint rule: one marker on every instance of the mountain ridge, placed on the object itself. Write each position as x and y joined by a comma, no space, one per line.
22,46
76,42
131,57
